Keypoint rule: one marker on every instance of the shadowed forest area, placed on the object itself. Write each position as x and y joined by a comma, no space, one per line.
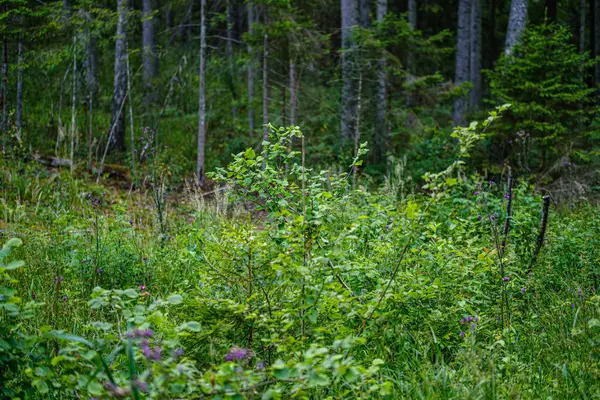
305,199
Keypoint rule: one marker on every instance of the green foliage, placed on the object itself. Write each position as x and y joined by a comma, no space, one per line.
545,81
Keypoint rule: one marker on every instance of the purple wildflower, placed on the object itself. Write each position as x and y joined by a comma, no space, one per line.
461,334
476,193
479,217
99,271
492,183
572,305
178,352
84,261
507,196
523,289
236,354
65,298
34,296
506,278
142,287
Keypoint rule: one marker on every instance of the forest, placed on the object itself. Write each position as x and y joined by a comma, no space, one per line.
309,199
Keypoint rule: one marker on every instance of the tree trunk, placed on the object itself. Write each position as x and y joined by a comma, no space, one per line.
412,13
293,95
251,127
516,24
365,11
229,48
117,141
169,20
596,49
150,59
380,122
410,62
265,100
92,88
19,112
582,24
475,58
202,96
349,10
72,152
491,34
4,122
462,59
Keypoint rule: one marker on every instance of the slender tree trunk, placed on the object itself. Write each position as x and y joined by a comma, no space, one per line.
120,80
412,13
491,34
19,112
475,58
410,59
229,49
582,25
293,95
202,96
92,88
130,101
4,122
251,127
72,153
150,59
349,9
516,24
596,47
380,122
365,11
462,58
265,99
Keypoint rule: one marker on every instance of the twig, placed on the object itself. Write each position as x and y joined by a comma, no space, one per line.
342,282
542,234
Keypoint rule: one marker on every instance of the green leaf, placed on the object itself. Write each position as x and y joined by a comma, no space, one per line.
14,265
250,154
40,385
94,388
175,299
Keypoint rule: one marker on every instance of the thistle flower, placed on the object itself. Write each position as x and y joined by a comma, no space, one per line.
142,287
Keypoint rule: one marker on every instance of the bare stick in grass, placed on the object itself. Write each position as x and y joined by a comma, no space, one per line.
542,234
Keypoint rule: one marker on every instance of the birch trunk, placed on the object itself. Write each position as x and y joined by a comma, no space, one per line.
19,112
150,59
117,141
462,59
516,24
250,9
72,152
229,49
4,122
475,59
380,122
265,99
349,9
202,96
293,95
